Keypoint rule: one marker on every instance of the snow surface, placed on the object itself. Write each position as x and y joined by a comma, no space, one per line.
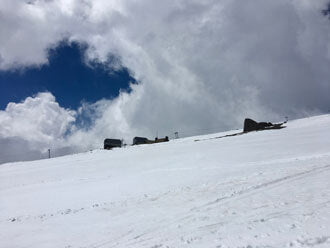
261,189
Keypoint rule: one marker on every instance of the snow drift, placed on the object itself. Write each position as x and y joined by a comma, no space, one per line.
260,189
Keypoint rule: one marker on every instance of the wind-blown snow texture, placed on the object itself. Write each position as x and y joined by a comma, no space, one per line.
261,189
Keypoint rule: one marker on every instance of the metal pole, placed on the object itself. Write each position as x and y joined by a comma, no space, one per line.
48,153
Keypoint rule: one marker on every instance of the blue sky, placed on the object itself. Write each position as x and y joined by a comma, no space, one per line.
201,67
66,76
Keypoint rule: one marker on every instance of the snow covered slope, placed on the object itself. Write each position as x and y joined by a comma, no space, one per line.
261,189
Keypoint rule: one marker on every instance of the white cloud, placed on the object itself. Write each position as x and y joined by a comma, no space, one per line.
28,129
38,118
202,65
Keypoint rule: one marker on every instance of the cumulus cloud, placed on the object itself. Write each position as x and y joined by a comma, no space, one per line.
202,66
30,128
38,118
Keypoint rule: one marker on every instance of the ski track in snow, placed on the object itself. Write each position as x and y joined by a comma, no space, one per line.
233,197
263,189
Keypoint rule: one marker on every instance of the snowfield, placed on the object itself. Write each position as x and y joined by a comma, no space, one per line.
261,189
